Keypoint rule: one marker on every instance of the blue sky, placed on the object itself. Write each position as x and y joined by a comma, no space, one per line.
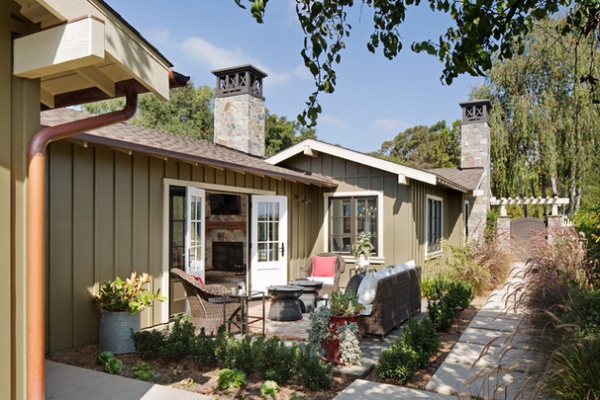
374,99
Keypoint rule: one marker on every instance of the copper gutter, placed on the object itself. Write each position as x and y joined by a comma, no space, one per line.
35,234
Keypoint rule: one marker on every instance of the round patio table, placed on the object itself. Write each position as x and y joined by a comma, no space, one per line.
310,294
284,303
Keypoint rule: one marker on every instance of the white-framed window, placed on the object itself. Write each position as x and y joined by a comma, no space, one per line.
434,225
349,214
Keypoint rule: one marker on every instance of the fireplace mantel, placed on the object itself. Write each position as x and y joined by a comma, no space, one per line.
238,225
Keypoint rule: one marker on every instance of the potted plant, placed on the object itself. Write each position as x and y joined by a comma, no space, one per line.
334,329
361,250
120,303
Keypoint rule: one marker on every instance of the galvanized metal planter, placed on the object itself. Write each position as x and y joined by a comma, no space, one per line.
115,331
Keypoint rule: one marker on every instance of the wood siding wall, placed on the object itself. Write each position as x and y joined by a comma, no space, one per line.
404,233
105,219
19,121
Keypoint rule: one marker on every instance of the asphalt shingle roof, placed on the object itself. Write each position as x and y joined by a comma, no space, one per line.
136,138
469,178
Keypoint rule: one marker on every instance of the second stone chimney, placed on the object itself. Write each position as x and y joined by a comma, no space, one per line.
240,109
475,153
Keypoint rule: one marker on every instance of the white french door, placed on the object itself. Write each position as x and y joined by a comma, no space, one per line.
194,235
268,263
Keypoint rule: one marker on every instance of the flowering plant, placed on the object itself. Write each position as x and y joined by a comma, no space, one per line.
126,295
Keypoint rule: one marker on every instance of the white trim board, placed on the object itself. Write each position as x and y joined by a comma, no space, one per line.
311,146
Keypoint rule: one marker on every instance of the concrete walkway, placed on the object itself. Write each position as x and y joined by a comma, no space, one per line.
66,382
471,367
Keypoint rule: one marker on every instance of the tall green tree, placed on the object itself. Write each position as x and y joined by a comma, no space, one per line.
425,147
482,29
545,123
189,112
281,134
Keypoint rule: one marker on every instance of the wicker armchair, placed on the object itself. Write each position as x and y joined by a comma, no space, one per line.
340,267
206,302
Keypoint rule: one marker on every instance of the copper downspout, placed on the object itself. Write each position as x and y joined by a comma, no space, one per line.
35,234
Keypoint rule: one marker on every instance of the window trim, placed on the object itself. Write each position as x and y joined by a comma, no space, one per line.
380,233
439,252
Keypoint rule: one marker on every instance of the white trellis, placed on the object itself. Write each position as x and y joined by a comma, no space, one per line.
553,201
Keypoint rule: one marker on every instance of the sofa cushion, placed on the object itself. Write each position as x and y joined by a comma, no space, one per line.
403,267
323,266
367,289
384,273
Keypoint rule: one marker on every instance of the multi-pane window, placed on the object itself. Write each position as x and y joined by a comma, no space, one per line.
434,225
177,226
350,216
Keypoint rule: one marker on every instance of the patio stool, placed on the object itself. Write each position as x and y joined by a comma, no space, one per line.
284,303
310,294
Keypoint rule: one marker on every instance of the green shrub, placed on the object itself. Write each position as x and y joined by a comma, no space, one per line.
144,372
447,295
441,314
399,362
231,378
221,342
112,365
460,294
178,341
438,286
423,338
269,389
273,360
238,354
148,344
104,356
202,351
314,374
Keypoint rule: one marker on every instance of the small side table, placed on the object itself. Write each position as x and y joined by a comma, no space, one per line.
284,304
310,294
244,320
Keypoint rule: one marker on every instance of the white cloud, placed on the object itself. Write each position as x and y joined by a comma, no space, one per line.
333,121
213,56
390,125
303,73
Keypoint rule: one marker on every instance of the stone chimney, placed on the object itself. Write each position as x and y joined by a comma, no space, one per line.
240,109
475,153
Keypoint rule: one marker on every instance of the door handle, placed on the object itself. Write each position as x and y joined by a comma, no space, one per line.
282,249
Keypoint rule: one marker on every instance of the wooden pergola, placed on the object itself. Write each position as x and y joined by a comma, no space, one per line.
552,201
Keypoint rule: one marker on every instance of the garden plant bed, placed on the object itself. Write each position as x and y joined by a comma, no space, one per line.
185,375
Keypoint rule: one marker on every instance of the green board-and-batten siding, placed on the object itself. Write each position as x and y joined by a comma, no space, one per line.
404,233
105,219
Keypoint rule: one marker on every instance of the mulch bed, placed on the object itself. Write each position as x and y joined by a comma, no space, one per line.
185,375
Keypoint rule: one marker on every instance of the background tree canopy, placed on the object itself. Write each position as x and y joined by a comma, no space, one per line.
485,29
545,121
190,112
425,147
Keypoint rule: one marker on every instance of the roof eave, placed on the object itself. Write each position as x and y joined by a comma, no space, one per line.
311,145
194,159
117,44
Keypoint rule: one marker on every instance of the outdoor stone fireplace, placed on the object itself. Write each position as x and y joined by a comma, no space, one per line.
226,232
228,256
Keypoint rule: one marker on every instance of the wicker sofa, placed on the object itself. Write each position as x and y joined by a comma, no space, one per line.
397,297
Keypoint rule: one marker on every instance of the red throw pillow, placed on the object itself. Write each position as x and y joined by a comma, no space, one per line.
323,266
200,281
